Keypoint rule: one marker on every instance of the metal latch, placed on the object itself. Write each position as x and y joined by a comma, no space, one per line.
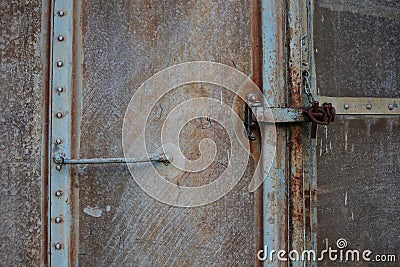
255,113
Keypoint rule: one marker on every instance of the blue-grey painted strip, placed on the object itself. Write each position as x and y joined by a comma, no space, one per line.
60,180
274,187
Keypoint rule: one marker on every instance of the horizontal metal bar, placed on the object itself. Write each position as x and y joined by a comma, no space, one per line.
279,115
61,160
363,105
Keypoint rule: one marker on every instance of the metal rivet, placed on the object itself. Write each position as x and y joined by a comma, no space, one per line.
59,115
58,193
391,107
61,13
346,106
60,89
60,64
58,141
60,38
57,246
58,220
368,106
58,167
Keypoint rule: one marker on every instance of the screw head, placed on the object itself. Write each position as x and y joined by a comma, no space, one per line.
58,220
346,106
58,141
57,246
60,89
368,106
58,167
58,193
61,13
60,38
60,64
59,115
391,107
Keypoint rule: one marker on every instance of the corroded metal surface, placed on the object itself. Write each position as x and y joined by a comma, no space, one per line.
359,184
125,43
357,46
23,111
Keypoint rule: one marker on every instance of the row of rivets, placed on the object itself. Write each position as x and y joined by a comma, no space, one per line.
368,106
59,115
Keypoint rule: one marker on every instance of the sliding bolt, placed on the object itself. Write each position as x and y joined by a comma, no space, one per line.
391,107
60,64
368,106
60,38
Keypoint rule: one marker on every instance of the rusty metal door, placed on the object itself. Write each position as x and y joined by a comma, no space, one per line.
357,67
103,54
80,77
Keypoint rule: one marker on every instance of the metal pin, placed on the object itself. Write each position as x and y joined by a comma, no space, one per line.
368,106
391,107
58,167
60,38
58,141
58,193
58,220
57,246
346,106
60,64
60,89
59,115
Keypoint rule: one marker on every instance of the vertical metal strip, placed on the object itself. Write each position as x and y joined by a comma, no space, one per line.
295,174
61,94
284,216
274,88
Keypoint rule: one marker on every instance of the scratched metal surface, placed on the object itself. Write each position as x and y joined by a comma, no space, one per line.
124,43
357,44
358,156
22,84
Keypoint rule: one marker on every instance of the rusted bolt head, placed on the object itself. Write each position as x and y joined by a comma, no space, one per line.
391,107
346,106
368,106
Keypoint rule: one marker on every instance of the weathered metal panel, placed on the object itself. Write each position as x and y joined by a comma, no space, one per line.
359,184
125,43
23,116
356,49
